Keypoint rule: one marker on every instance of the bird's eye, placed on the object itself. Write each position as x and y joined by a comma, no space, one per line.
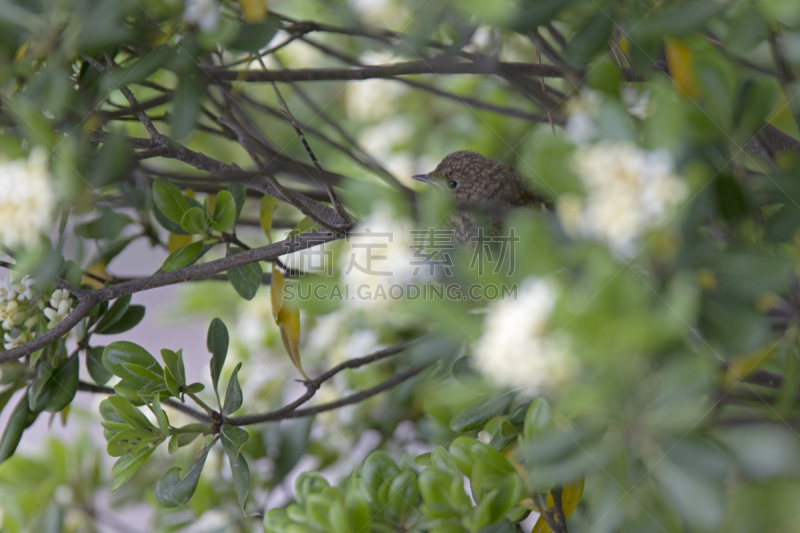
451,184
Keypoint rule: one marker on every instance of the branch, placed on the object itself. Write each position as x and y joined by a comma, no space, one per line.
472,102
198,271
290,410
437,66
197,415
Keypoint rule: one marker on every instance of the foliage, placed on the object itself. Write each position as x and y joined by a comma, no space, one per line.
631,362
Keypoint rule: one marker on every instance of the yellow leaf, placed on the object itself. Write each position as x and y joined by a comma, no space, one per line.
253,10
212,198
176,241
570,497
741,365
20,54
268,204
625,46
680,60
98,270
289,324
276,292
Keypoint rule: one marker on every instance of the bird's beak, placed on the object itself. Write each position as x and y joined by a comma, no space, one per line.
423,177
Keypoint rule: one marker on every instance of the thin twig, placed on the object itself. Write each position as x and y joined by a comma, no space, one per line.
337,205
289,410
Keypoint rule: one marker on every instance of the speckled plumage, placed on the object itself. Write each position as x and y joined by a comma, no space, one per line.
480,184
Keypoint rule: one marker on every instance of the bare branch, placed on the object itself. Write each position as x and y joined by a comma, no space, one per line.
288,411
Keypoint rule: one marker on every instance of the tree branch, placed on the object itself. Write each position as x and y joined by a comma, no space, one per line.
197,415
437,66
289,411
193,272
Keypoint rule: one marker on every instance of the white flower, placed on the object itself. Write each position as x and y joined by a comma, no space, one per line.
8,314
628,192
26,198
4,290
21,290
378,263
58,296
203,13
515,349
61,307
638,104
580,128
13,342
372,100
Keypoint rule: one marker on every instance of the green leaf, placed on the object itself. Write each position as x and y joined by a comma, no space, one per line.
179,440
194,388
217,343
161,416
224,211
129,320
233,397
292,445
20,419
253,37
172,491
403,496
39,391
182,256
378,468
169,200
675,20
246,280
185,106
590,39
233,439
131,441
194,220
111,162
538,419
239,194
138,70
130,414
122,356
478,414
174,367
64,384
107,226
94,364
114,313
127,465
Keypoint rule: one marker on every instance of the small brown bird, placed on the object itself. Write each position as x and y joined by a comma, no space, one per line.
480,184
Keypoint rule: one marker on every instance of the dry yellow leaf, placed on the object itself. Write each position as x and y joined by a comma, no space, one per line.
741,365
176,241
680,60
570,497
98,270
289,324
276,292
268,204
253,11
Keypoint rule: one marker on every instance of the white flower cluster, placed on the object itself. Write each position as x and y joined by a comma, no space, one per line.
629,191
22,309
26,198
378,255
516,350
202,13
584,110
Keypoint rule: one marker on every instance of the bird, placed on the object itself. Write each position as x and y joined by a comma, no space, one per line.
480,184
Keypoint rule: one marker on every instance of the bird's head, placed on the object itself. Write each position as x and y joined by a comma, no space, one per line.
463,174
474,179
